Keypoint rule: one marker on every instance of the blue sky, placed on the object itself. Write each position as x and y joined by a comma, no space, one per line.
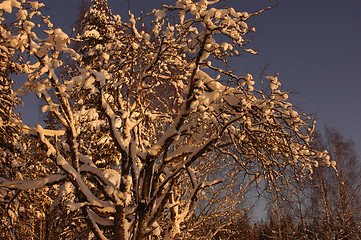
315,45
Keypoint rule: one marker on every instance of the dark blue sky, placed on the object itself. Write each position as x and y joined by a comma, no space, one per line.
315,45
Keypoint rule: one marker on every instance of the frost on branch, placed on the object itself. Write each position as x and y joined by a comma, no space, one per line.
145,125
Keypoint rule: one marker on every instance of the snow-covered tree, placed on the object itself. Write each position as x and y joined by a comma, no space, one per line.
20,212
147,124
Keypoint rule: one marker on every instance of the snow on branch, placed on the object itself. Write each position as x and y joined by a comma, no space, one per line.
31,184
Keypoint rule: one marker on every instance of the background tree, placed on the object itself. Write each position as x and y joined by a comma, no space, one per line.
335,206
168,153
326,207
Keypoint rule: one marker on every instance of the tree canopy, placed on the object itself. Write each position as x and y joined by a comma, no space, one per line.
145,125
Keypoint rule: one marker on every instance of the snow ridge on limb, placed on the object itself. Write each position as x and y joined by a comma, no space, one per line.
31,184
